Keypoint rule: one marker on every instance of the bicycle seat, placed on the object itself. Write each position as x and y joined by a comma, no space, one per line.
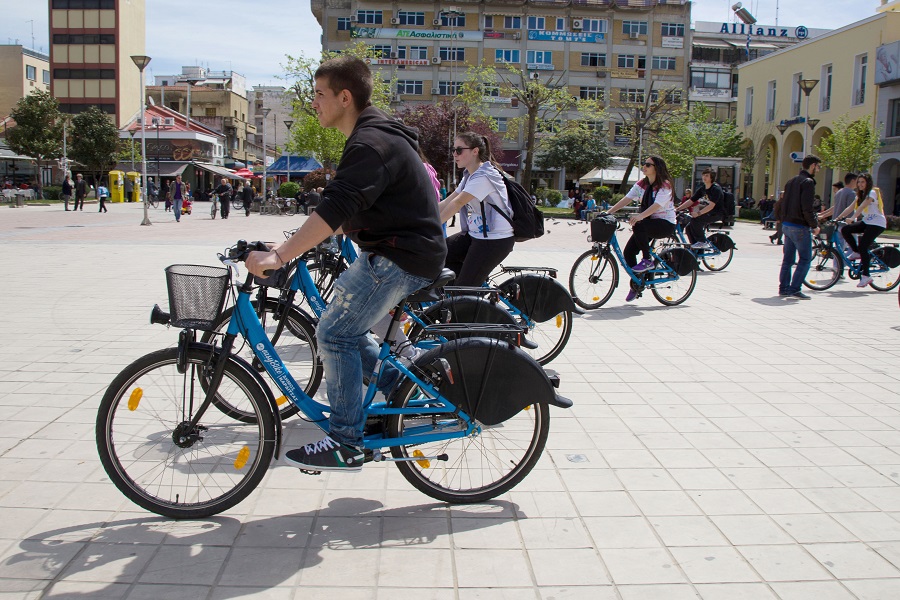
430,292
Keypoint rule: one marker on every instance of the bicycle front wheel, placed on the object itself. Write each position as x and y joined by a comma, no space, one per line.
237,204
477,467
825,269
673,293
213,211
593,279
154,201
162,464
550,336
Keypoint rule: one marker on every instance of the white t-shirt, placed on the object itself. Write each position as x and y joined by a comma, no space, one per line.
486,184
663,197
872,214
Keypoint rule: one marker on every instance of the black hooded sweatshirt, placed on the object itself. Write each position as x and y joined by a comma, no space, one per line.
383,197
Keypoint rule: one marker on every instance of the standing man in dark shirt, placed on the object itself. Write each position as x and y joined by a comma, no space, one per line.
80,192
795,211
224,191
247,198
713,211
382,197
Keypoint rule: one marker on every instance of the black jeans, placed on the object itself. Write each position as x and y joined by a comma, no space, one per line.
102,204
697,229
225,206
78,201
641,235
473,259
869,233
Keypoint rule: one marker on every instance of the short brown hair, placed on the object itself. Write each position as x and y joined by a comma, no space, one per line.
810,160
351,74
712,174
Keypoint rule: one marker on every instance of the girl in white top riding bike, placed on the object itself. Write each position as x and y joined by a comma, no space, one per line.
869,209
656,218
487,236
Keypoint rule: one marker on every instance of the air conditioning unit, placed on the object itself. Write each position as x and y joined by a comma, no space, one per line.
353,18
395,21
517,36
577,24
436,22
534,75
575,98
435,91
170,121
435,60
601,74
394,54
633,35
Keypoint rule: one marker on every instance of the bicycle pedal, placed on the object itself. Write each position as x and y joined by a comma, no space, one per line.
309,472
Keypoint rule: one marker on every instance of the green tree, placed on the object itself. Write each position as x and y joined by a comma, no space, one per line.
576,148
852,146
124,152
690,133
95,141
307,137
39,128
645,119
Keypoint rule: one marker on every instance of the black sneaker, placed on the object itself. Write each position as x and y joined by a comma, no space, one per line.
800,296
326,455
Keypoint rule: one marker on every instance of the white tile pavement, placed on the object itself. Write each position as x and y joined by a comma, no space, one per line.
738,446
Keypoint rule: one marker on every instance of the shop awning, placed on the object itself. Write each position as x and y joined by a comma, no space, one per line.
166,168
719,44
300,166
217,170
754,45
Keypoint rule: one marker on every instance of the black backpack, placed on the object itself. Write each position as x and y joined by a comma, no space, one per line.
527,221
728,205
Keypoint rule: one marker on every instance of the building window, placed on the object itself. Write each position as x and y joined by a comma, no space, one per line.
418,53
663,63
560,24
409,87
507,56
770,101
748,109
860,71
209,112
447,21
630,61
637,27
592,93
539,57
381,51
491,91
501,124
593,25
85,4
512,22
369,17
631,95
411,18
457,54
673,29
84,38
593,59
344,24
84,73
488,21
795,94
894,115
709,78
669,96
46,75
825,91
30,73
76,108
449,88
537,23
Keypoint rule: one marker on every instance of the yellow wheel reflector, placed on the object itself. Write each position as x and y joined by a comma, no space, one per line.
242,458
424,463
135,399
812,281
281,400
596,298
406,328
594,257
559,320
669,298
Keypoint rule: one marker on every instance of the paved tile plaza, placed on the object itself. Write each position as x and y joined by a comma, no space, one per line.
739,446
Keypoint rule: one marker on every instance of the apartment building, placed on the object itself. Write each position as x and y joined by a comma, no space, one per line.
91,44
22,71
784,122
278,100
616,51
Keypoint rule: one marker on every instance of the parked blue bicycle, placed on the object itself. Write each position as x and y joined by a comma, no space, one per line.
467,422
595,274
831,255
716,257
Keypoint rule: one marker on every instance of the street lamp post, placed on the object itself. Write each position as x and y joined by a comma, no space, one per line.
288,123
807,86
141,63
781,127
265,113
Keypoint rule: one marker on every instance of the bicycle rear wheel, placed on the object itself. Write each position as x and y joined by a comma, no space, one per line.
212,210
825,269
478,467
237,203
551,336
593,279
157,462
295,344
673,293
718,262
154,201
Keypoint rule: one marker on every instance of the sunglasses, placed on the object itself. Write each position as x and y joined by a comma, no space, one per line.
459,150
649,164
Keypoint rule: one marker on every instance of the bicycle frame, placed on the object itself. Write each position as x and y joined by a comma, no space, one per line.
679,235
246,323
853,266
638,278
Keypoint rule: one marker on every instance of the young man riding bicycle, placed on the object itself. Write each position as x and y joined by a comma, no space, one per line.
382,197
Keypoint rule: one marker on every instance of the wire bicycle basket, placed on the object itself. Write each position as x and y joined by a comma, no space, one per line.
196,294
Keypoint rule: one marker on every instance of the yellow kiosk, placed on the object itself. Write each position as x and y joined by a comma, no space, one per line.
136,186
116,186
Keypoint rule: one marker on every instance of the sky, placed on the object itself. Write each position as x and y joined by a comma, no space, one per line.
253,37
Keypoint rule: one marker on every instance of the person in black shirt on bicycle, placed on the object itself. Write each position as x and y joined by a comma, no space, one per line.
713,211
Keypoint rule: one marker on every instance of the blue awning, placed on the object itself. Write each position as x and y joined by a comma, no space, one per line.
300,166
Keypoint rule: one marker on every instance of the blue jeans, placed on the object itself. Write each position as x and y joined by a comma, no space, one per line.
363,294
797,242
177,208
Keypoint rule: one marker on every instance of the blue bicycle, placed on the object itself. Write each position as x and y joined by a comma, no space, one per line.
467,422
595,274
831,254
715,258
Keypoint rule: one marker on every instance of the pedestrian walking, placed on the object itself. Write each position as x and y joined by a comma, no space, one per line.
224,191
67,189
80,192
795,211
129,188
178,193
164,192
247,195
102,196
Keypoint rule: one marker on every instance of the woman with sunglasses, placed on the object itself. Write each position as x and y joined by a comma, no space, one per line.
656,218
487,236
869,209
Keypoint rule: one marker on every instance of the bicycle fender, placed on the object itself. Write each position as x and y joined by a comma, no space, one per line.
722,241
248,368
538,296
